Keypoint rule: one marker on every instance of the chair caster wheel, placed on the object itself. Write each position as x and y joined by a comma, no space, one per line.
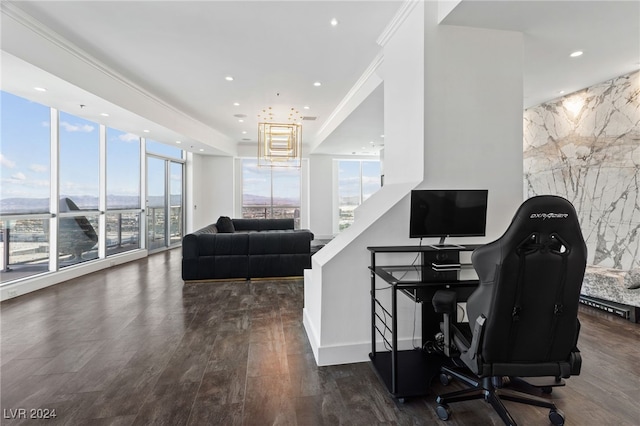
443,412
556,417
546,389
445,379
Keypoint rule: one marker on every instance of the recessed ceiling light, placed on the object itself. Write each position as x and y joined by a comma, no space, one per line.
146,131
561,92
576,53
334,22
201,150
244,132
104,114
240,120
178,141
40,89
317,84
306,107
236,104
228,78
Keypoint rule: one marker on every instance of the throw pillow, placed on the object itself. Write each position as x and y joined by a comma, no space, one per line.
225,225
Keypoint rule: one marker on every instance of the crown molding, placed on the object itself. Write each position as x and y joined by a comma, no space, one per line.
371,69
397,21
11,9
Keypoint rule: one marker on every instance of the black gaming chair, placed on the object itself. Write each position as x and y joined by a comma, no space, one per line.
523,316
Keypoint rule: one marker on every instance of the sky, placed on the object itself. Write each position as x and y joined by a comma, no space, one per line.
24,148
349,178
25,154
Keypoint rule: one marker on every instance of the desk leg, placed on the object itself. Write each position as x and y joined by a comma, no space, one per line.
394,341
373,305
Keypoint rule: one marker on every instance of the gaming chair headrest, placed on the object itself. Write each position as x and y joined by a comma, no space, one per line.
545,215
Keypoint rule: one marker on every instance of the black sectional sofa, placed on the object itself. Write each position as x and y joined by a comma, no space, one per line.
245,249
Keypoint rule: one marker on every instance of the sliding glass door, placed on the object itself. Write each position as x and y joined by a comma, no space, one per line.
164,202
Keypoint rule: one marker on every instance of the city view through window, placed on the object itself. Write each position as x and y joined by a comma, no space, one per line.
27,185
357,181
270,192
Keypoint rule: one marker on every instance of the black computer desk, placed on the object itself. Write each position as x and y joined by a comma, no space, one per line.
409,372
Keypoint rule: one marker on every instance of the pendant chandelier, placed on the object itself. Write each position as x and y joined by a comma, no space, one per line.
279,143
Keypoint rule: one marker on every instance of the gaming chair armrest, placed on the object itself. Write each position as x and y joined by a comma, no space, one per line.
470,356
444,302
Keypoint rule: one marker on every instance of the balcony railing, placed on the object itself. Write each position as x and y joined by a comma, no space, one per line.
272,212
25,240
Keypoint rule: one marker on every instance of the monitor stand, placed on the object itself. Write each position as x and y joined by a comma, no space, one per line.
442,246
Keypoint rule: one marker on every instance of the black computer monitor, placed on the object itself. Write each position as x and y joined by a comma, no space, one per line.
448,213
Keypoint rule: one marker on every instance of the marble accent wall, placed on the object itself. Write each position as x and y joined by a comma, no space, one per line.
586,147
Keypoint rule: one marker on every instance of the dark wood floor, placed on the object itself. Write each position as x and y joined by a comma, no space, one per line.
134,345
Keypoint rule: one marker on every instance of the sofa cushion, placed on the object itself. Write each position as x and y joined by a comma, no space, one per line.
279,242
225,224
262,224
279,253
223,244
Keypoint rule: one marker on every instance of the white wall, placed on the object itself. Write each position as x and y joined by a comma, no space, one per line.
337,303
467,133
403,71
210,189
473,115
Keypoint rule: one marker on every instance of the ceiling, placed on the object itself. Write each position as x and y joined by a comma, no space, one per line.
180,52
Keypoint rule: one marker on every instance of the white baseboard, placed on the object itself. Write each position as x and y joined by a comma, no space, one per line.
47,279
342,354
312,335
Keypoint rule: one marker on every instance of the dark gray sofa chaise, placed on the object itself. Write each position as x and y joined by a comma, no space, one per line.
246,248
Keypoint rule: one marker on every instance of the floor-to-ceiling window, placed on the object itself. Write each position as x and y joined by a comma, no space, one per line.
79,183
270,192
165,201
357,181
123,191
71,190
25,214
